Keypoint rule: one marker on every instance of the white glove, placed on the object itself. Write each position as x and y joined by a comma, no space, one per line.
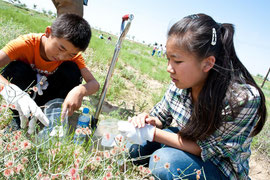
42,83
136,135
24,105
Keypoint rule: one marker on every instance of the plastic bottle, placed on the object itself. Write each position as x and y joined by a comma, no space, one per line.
83,122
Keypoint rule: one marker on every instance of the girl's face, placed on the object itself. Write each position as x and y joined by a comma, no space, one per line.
185,69
57,49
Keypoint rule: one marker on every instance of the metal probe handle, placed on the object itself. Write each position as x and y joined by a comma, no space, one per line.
123,31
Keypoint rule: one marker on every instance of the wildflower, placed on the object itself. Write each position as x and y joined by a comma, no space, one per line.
141,168
83,131
15,148
109,175
9,163
72,172
24,160
8,172
198,172
76,153
12,106
4,105
98,158
197,177
151,178
55,176
167,165
16,137
19,168
25,145
156,158
107,154
147,171
109,167
87,131
35,89
19,133
39,175
78,131
113,151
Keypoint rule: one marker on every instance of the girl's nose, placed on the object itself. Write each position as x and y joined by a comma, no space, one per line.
170,68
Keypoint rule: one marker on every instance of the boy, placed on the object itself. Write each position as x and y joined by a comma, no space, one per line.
54,62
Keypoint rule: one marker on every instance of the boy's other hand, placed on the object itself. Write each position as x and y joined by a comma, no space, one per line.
24,104
72,102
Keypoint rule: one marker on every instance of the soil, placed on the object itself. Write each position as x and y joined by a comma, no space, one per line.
259,167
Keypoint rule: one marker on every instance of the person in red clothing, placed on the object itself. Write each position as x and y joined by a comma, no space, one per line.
53,62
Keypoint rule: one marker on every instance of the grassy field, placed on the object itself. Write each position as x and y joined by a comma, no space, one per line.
139,81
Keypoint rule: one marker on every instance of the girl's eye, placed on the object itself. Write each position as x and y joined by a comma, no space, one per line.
178,62
60,49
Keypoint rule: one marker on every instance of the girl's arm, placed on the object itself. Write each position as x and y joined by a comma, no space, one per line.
176,141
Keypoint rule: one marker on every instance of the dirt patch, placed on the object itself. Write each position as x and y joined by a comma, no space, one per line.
259,167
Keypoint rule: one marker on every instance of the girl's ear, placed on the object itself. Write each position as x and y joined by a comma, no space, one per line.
208,63
48,31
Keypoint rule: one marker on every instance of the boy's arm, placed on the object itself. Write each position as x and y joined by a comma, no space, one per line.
74,98
21,100
4,60
91,85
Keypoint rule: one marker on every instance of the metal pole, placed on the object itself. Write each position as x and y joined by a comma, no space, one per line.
265,78
123,31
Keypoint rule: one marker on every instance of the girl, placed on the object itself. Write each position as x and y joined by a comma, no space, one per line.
213,100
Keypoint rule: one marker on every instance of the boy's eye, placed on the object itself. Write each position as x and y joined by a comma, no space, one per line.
61,49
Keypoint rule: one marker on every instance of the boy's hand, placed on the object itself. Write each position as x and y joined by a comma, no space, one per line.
72,102
24,104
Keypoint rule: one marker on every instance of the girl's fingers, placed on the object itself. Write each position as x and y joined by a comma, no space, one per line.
138,121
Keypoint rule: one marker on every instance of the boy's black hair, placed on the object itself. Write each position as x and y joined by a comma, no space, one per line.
73,28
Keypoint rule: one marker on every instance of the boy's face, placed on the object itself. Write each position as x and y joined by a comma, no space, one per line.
58,49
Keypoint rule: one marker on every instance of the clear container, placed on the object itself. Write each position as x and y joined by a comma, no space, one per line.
56,128
83,122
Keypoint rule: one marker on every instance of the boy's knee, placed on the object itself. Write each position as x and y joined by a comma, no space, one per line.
19,73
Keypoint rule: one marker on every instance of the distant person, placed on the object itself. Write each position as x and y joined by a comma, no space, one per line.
160,49
54,56
101,36
164,52
217,105
69,6
109,38
154,49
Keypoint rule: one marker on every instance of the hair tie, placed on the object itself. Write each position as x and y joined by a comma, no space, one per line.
214,37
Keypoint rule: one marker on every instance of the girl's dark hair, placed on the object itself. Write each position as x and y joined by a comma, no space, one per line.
195,34
73,28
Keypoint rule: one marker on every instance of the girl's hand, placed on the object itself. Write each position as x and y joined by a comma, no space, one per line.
142,119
